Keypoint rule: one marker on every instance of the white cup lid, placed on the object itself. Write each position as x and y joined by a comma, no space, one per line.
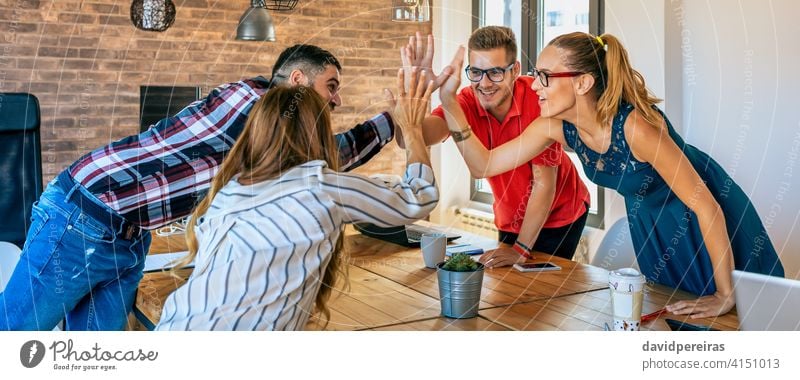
629,275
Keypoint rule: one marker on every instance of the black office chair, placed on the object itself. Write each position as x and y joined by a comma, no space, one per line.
20,164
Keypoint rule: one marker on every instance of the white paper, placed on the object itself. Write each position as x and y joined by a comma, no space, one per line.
161,261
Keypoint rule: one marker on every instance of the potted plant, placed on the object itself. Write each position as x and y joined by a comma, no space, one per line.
460,280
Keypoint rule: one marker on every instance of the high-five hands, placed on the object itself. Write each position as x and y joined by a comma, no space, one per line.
450,85
412,105
419,54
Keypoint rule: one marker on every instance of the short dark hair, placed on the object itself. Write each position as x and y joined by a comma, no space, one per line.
309,59
492,37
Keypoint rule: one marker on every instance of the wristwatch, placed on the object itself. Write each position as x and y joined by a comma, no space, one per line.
459,136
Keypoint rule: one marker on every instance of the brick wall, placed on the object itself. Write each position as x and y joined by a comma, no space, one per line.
85,61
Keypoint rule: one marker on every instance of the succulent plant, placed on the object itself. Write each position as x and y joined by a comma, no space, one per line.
460,262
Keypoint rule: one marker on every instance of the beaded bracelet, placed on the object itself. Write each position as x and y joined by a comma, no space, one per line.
523,250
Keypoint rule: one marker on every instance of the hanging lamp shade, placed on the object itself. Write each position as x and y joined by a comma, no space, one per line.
153,15
411,10
256,23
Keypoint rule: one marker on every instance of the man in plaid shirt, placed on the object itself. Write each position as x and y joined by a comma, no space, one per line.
89,235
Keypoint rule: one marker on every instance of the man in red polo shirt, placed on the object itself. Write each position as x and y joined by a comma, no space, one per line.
540,207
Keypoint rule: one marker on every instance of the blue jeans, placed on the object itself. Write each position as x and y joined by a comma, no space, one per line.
73,267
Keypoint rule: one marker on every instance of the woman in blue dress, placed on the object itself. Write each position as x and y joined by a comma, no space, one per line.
691,225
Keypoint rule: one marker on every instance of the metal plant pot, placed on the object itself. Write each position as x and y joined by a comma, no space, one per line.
460,292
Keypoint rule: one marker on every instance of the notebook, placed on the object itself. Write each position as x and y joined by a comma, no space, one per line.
408,235
466,248
766,303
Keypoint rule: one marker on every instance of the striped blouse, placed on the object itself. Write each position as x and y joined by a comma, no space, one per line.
263,248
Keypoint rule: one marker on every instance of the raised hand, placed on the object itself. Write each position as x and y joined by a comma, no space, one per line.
411,108
449,88
389,99
412,105
418,54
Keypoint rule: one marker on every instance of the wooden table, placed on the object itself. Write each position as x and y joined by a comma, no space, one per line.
592,310
390,289
156,287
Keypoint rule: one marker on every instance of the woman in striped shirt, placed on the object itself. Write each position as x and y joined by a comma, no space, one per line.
267,239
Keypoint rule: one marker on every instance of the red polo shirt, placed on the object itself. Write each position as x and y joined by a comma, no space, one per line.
513,188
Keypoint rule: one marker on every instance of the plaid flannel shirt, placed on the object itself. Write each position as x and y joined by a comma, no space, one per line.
158,176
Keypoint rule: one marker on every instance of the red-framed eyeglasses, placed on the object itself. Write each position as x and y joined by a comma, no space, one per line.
544,77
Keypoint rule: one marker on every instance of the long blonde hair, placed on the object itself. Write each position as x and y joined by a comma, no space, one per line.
607,61
287,127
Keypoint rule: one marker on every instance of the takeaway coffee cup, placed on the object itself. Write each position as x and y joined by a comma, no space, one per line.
627,286
433,248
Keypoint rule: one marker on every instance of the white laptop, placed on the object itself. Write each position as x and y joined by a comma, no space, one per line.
766,303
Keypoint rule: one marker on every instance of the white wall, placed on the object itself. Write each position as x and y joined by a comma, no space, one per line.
452,26
727,72
740,102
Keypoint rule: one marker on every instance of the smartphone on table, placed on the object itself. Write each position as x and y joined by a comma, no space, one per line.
536,267
684,326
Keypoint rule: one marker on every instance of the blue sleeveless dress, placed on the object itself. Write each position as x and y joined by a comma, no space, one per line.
665,232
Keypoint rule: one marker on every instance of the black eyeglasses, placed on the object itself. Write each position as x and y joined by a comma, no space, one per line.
495,74
544,78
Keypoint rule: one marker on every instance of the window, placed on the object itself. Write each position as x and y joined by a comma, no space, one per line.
582,19
554,18
581,10
572,9
560,17
508,14
481,191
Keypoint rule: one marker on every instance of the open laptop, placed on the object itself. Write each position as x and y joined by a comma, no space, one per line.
766,303
408,235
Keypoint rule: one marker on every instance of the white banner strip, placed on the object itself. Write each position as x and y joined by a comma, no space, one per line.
398,355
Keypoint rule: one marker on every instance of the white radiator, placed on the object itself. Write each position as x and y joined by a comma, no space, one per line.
476,221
